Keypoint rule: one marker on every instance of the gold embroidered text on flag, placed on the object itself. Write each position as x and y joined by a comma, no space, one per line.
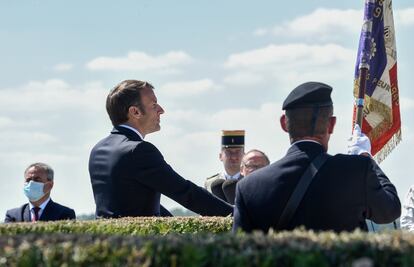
381,120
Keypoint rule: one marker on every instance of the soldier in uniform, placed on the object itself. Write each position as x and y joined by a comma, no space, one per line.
345,190
231,154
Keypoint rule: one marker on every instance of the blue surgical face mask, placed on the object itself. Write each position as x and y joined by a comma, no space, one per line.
34,190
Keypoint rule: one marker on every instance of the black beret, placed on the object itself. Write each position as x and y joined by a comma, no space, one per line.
309,94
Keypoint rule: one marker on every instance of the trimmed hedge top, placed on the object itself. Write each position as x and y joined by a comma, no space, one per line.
296,248
193,241
125,226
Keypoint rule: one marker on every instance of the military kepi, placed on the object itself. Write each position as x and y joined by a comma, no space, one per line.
309,94
232,138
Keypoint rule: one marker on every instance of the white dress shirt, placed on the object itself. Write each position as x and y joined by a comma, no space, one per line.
228,176
42,208
132,129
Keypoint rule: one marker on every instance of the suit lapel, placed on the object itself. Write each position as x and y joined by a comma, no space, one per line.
48,212
26,213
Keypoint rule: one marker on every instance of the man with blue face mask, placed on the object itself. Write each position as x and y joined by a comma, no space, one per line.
37,186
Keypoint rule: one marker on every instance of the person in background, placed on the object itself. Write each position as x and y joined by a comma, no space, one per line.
232,151
253,160
407,213
38,183
345,190
128,174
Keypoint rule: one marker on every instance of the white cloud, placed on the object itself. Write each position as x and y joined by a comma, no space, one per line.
405,16
329,24
138,61
285,66
243,78
261,32
407,103
4,122
52,95
289,55
188,88
35,137
62,67
195,131
320,24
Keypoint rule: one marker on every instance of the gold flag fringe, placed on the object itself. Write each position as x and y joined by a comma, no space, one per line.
388,147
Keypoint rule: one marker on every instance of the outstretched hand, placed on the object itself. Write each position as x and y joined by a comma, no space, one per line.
359,143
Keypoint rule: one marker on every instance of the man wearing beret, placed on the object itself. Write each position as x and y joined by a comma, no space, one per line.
231,154
129,174
344,190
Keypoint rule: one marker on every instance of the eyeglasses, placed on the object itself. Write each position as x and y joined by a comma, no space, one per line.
253,166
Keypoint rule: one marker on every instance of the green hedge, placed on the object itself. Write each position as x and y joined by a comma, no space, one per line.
126,226
297,248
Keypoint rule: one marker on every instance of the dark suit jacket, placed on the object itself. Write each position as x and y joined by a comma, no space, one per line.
346,191
53,212
128,175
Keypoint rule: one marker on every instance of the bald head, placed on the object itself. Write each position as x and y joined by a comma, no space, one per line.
253,160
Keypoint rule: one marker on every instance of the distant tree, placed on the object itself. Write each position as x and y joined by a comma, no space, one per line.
182,212
85,217
175,211
373,227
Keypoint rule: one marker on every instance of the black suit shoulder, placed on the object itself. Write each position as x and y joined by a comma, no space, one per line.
147,153
55,211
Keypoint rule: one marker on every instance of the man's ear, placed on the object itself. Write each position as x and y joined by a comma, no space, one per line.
283,123
332,122
221,156
243,171
134,111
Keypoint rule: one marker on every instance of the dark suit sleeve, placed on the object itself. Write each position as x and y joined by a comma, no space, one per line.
241,218
164,212
155,173
382,199
70,214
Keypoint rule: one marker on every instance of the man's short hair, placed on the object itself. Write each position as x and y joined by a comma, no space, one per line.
257,151
299,121
42,166
121,97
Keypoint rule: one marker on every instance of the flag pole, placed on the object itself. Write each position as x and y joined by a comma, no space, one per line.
363,71
365,56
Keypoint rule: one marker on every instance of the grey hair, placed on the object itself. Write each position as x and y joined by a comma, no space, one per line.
49,171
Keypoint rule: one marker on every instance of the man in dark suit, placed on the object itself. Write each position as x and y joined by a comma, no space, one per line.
345,191
37,187
253,160
128,174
